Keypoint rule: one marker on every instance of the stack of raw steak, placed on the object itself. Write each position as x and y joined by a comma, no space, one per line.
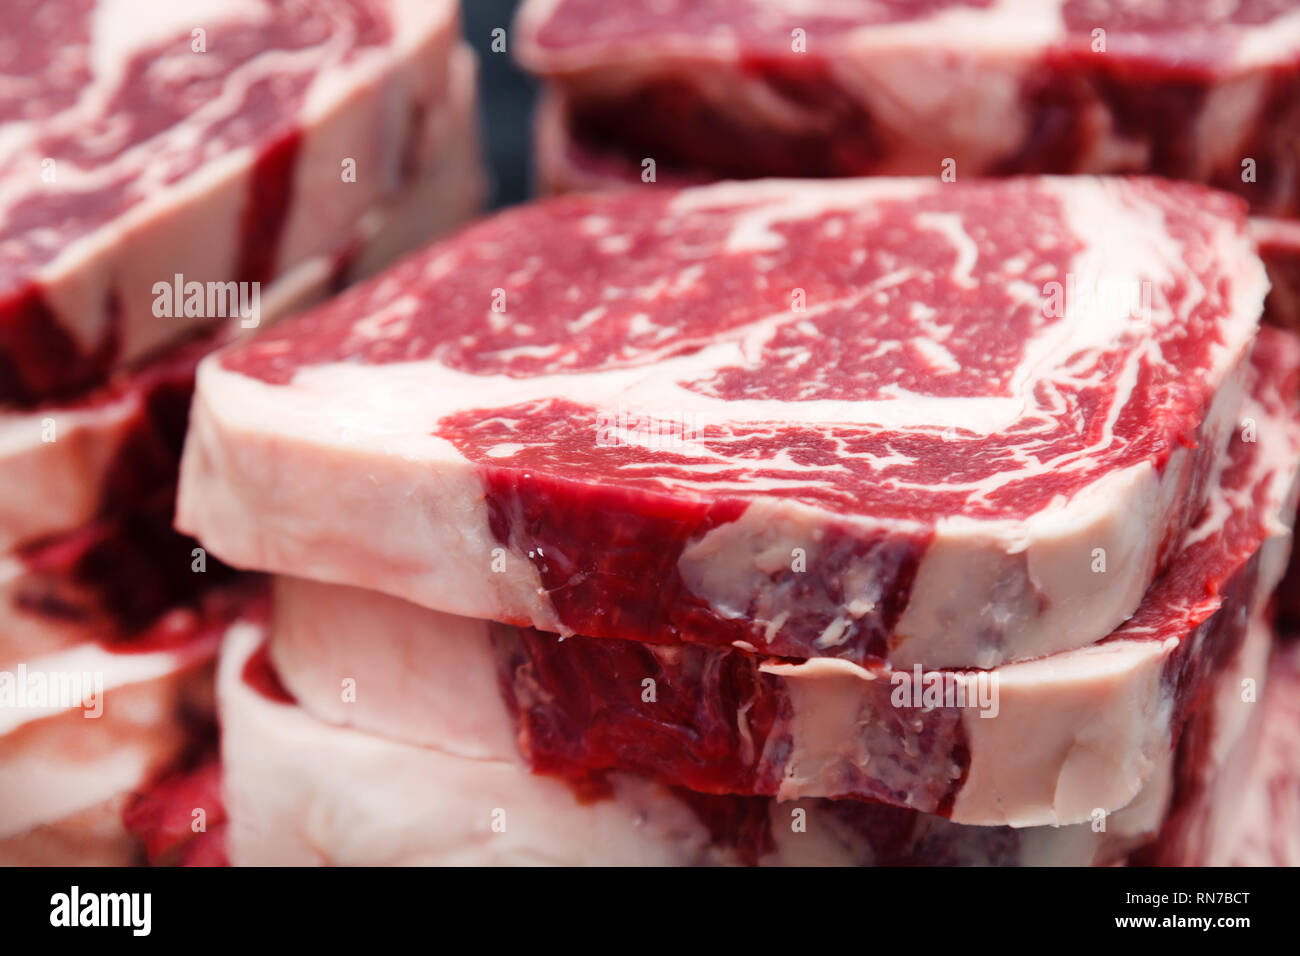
868,521
679,92
175,173
713,89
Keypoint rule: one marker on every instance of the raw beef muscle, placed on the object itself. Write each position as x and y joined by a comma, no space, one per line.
888,444
1208,92
147,138
1207,788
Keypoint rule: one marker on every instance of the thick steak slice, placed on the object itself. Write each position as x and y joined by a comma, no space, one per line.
1038,742
859,419
95,455
142,139
1041,741
749,88
302,791
359,799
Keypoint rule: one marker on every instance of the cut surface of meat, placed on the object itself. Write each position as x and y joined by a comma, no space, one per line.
1208,92
92,456
280,763
154,822
1279,247
790,414
561,164
151,147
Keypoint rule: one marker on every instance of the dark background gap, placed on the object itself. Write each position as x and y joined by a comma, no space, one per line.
506,97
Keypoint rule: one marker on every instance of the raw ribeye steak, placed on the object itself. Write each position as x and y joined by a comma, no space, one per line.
747,88
953,424
100,452
145,139
290,782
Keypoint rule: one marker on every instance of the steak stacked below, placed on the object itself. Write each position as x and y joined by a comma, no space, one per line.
175,175
877,520
301,791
